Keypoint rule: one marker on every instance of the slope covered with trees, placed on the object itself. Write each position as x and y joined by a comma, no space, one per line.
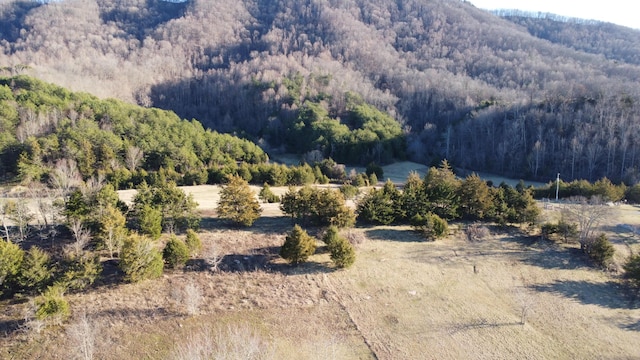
458,83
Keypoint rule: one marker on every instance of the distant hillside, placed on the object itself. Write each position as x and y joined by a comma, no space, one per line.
527,99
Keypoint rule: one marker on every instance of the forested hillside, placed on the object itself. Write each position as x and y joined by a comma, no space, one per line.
358,80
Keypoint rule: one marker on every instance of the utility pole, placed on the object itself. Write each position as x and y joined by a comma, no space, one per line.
557,186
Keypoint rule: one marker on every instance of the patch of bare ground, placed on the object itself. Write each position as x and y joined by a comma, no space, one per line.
504,296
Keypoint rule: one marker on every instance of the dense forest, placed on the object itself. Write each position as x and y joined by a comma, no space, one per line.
358,81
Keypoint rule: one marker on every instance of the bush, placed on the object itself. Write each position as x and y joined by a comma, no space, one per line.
349,191
267,196
376,169
601,250
11,257
175,253
342,252
140,259
193,242
35,271
51,306
632,270
330,236
150,221
81,272
430,225
238,203
298,246
477,232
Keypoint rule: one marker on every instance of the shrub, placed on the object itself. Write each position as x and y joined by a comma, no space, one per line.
51,306
430,225
477,232
238,203
376,169
298,246
11,257
193,242
175,253
150,221
601,250
330,236
632,270
342,252
140,259
349,191
267,196
81,271
35,271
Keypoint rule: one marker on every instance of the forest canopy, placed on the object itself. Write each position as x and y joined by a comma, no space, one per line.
520,96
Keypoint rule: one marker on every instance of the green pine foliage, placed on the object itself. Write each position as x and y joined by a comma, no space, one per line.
51,306
80,272
238,203
36,271
98,133
11,258
267,196
298,246
317,207
140,259
149,221
175,253
632,270
193,242
341,251
430,225
601,250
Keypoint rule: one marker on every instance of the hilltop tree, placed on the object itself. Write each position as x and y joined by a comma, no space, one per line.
238,203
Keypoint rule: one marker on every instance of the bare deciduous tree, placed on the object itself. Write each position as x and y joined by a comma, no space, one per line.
65,176
133,157
81,235
83,335
587,213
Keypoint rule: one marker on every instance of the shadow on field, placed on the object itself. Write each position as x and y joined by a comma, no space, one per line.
609,294
390,234
263,225
557,258
9,327
260,259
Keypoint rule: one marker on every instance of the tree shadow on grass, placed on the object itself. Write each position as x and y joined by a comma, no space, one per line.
394,234
608,294
263,225
261,259
554,257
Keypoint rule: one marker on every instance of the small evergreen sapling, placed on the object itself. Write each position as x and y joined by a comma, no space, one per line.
298,246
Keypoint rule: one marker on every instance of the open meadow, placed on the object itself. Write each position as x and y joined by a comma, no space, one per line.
510,295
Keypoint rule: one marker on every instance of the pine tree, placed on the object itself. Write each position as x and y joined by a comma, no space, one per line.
238,203
342,252
140,259
298,246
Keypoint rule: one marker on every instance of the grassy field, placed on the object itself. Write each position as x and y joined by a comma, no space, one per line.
511,295
403,299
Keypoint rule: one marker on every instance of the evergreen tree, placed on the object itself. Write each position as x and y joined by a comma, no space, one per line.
267,196
238,203
341,251
175,253
440,189
475,198
140,259
298,246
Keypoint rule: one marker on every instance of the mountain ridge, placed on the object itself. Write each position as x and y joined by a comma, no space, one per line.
444,70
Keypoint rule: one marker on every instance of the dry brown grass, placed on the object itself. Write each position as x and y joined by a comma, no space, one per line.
404,298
